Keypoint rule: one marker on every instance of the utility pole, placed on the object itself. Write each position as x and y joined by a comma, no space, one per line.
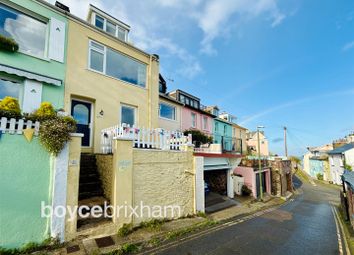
260,164
285,142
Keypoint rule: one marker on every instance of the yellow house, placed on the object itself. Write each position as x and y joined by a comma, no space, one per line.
239,133
252,143
108,80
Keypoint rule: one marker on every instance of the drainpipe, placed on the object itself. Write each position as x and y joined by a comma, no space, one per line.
150,92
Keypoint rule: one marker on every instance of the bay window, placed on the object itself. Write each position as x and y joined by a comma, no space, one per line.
167,111
29,33
113,63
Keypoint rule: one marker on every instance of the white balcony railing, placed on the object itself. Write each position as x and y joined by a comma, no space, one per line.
144,138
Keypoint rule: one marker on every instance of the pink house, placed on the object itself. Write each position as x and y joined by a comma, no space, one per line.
251,178
193,116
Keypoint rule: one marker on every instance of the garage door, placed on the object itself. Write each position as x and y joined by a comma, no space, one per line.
216,164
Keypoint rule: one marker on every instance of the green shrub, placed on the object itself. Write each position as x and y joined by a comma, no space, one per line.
319,176
125,230
47,244
8,44
44,112
198,137
54,134
245,191
10,108
153,225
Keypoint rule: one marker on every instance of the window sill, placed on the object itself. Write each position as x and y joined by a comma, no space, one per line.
114,78
171,120
46,59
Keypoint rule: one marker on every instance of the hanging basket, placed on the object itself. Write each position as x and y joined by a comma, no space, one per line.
8,44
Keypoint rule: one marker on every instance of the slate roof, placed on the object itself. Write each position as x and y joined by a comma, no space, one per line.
342,149
348,177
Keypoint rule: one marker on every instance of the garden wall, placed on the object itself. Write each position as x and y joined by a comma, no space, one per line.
25,181
155,178
105,169
164,178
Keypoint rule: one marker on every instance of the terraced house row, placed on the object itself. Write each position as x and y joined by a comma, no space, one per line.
90,69
131,131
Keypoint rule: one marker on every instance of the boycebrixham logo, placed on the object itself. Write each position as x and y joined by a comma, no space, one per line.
109,211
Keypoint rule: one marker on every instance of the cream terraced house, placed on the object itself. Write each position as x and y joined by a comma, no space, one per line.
108,80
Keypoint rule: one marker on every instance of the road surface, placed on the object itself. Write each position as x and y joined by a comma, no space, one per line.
305,225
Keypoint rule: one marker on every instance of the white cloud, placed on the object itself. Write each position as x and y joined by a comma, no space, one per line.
216,15
150,22
79,7
157,23
348,46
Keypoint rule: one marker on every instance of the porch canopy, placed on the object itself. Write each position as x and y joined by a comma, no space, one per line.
30,75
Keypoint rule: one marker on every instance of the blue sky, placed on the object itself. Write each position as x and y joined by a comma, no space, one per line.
272,63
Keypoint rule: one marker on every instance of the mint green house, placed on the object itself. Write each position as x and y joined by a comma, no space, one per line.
36,73
33,74
223,134
222,130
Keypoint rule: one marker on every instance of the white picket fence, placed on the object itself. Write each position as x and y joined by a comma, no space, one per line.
16,127
144,138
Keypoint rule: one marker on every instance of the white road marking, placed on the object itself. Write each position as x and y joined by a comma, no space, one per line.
341,227
338,233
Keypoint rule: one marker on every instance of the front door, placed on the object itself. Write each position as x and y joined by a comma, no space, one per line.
81,111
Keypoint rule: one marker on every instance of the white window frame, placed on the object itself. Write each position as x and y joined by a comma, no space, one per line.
105,27
194,123
104,51
98,51
135,108
169,105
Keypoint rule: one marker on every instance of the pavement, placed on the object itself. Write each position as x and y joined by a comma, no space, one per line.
304,225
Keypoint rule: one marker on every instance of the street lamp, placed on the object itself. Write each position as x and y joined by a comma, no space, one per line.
259,163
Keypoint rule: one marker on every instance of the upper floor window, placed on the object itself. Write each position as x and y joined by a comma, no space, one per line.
110,27
205,123
167,111
28,32
99,22
216,127
112,63
194,120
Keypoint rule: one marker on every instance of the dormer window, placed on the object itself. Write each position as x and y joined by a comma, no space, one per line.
111,28
99,22
109,24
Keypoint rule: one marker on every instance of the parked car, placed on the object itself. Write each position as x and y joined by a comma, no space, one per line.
206,188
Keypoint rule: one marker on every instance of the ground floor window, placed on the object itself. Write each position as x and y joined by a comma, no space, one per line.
10,89
128,115
167,111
